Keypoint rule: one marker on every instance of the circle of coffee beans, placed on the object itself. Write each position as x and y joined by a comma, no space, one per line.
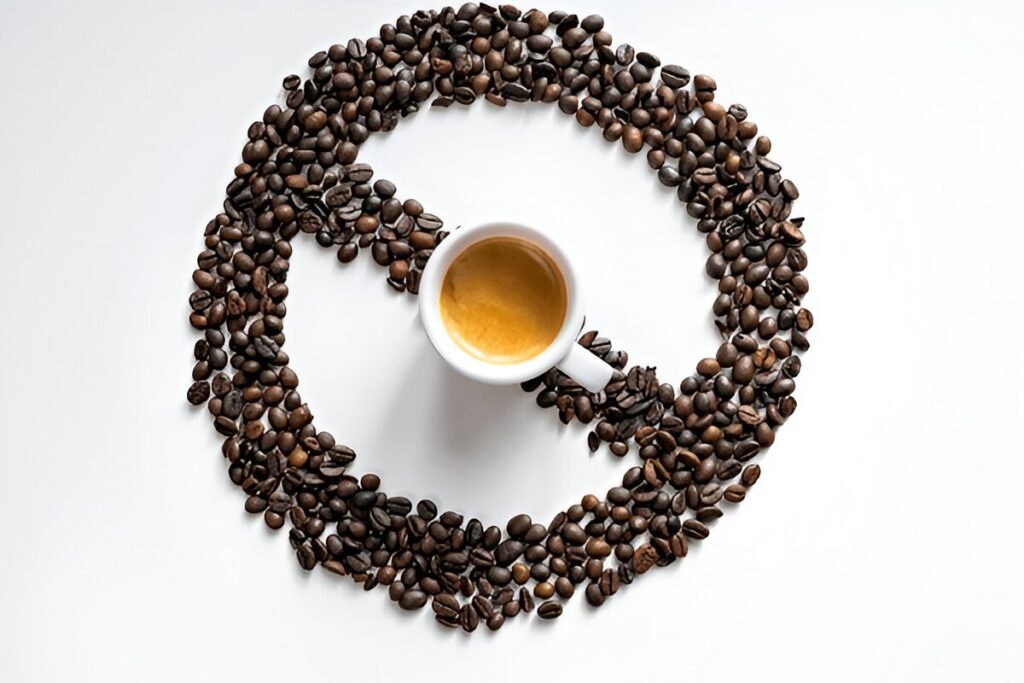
695,440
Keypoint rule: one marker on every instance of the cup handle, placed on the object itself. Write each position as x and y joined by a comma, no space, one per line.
586,369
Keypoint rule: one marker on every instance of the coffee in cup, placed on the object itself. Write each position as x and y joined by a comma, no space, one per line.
503,300
501,303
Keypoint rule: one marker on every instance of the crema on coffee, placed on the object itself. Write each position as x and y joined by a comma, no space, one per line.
503,300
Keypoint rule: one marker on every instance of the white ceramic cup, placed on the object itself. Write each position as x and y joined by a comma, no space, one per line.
584,367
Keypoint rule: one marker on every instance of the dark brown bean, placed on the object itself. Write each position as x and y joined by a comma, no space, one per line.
549,610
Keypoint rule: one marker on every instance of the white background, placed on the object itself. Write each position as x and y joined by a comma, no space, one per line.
883,542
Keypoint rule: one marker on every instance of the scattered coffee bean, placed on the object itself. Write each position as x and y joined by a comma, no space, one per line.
198,393
550,610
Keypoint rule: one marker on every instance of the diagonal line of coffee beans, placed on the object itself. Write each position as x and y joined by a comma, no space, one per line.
299,175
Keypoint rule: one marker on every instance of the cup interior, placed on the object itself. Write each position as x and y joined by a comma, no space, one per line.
466,363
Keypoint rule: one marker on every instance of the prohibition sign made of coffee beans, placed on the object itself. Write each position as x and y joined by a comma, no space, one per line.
695,440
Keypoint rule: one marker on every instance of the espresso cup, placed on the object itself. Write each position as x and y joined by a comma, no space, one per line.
495,319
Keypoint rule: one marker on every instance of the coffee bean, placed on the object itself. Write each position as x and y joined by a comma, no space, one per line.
426,509
468,619
412,599
734,493
609,582
669,176
199,392
678,544
549,610
508,551
804,320
675,76
525,600
274,521
596,547
695,529
624,54
518,526
539,43
592,23
366,224
632,139
644,558
751,473
306,557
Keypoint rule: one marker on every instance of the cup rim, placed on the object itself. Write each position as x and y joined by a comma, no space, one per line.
429,304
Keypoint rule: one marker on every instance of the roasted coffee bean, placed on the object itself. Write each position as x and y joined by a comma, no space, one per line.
624,54
518,526
675,76
520,573
543,590
678,544
508,551
306,557
549,610
708,513
644,558
804,320
597,547
199,392
734,493
412,599
632,139
525,600
751,473
592,23
564,587
426,509
695,529
609,582
468,619
483,607
446,604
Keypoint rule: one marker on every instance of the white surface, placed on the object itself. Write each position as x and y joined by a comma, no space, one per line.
883,542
